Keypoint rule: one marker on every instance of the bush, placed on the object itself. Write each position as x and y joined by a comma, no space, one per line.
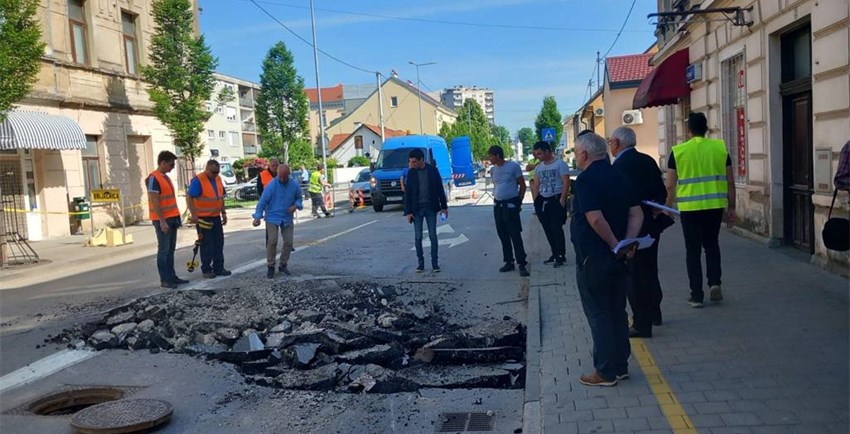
359,161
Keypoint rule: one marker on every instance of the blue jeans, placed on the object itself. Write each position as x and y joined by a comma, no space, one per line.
605,308
166,243
212,246
430,217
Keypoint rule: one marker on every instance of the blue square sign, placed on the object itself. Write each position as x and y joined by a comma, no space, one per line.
548,135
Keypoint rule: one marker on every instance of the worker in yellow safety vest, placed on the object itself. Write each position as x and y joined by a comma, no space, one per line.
206,203
701,181
318,182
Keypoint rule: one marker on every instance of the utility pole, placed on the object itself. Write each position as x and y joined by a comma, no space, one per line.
419,90
319,91
598,70
380,105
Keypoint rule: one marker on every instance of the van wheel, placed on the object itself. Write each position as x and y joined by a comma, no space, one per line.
377,207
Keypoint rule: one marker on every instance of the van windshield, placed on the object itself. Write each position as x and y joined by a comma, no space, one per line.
226,169
393,158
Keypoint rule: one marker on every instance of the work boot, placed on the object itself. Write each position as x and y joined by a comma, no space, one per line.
595,379
223,273
168,285
523,270
284,269
270,272
210,275
179,281
509,266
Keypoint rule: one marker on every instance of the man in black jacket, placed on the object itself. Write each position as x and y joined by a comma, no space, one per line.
642,173
424,197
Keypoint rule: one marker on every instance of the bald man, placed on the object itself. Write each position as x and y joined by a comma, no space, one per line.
280,199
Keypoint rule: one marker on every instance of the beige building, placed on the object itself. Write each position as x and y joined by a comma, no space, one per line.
623,74
89,75
774,81
333,106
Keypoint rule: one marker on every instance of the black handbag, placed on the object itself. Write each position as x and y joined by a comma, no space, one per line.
836,231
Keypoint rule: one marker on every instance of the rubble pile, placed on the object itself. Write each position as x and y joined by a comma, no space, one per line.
318,335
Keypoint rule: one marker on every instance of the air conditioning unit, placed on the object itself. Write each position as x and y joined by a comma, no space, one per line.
632,117
599,112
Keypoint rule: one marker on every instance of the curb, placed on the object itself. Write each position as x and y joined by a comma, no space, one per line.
532,414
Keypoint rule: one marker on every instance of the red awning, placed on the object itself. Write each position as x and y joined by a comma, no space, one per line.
665,84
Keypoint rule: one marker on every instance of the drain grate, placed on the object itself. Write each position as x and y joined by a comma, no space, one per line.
466,422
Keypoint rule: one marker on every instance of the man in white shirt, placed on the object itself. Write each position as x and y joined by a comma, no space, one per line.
551,187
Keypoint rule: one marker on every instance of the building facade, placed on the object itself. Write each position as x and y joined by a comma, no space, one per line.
454,97
623,75
774,82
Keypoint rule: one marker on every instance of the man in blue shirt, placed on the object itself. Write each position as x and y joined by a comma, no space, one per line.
280,199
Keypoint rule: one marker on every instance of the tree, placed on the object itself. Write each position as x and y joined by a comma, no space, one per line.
20,50
282,107
471,122
502,137
528,139
359,161
549,117
180,75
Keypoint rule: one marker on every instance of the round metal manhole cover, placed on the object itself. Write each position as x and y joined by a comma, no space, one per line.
122,416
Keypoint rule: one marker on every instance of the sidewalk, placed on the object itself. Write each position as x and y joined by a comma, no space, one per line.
772,358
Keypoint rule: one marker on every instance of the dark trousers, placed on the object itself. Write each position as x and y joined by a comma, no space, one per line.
166,244
605,308
645,288
702,231
552,217
430,217
212,246
318,200
509,229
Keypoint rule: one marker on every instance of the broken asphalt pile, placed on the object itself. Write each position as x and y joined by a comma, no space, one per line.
318,335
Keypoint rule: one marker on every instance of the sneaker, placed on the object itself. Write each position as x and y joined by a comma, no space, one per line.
551,260
694,303
715,294
523,271
179,281
284,269
223,273
210,275
168,285
560,262
624,376
436,268
420,268
595,379
509,266
270,273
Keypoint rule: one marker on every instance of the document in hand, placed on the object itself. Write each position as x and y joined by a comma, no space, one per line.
642,243
661,207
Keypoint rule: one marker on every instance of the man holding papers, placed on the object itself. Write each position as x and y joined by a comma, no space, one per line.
606,211
642,173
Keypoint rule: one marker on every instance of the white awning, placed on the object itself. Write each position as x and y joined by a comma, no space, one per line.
29,130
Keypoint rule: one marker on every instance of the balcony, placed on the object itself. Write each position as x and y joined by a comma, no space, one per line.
249,150
246,102
249,127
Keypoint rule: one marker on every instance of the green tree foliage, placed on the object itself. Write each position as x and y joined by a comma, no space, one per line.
502,137
549,117
471,122
359,161
528,139
180,74
20,49
282,107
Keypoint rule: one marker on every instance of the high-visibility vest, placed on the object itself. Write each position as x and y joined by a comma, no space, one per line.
315,182
209,204
167,199
701,173
266,177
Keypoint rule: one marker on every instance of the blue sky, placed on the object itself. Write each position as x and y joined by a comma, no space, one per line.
521,65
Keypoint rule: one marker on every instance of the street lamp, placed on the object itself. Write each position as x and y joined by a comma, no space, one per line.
419,90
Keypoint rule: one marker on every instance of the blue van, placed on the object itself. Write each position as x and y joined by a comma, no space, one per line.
392,160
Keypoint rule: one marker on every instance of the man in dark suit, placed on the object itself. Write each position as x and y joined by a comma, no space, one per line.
642,173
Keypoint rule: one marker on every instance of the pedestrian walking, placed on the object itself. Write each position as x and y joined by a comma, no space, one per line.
641,172
165,216
318,183
267,175
508,193
701,181
551,187
423,199
277,205
606,212
206,205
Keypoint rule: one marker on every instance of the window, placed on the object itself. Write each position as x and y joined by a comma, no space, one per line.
393,101
77,23
734,100
218,109
209,107
233,138
214,153
131,51
358,145
231,114
211,134
91,166
221,135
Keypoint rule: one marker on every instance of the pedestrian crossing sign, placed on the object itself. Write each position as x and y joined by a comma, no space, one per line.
548,135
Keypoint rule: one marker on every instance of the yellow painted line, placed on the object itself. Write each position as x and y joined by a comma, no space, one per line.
670,405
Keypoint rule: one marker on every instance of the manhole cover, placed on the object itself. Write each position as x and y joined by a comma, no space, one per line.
466,422
122,416
74,400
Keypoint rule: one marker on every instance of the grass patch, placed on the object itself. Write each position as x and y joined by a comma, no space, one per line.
230,203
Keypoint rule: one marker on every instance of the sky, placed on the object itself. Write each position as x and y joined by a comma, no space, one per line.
522,49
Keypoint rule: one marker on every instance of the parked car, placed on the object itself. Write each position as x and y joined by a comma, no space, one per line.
361,182
248,190
228,177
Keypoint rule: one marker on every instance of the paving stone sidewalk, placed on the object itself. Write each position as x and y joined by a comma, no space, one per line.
772,358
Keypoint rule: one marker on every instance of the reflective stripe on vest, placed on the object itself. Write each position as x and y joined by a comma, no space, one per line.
266,177
701,173
209,204
167,199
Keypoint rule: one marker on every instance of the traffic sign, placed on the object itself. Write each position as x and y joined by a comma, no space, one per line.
548,135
